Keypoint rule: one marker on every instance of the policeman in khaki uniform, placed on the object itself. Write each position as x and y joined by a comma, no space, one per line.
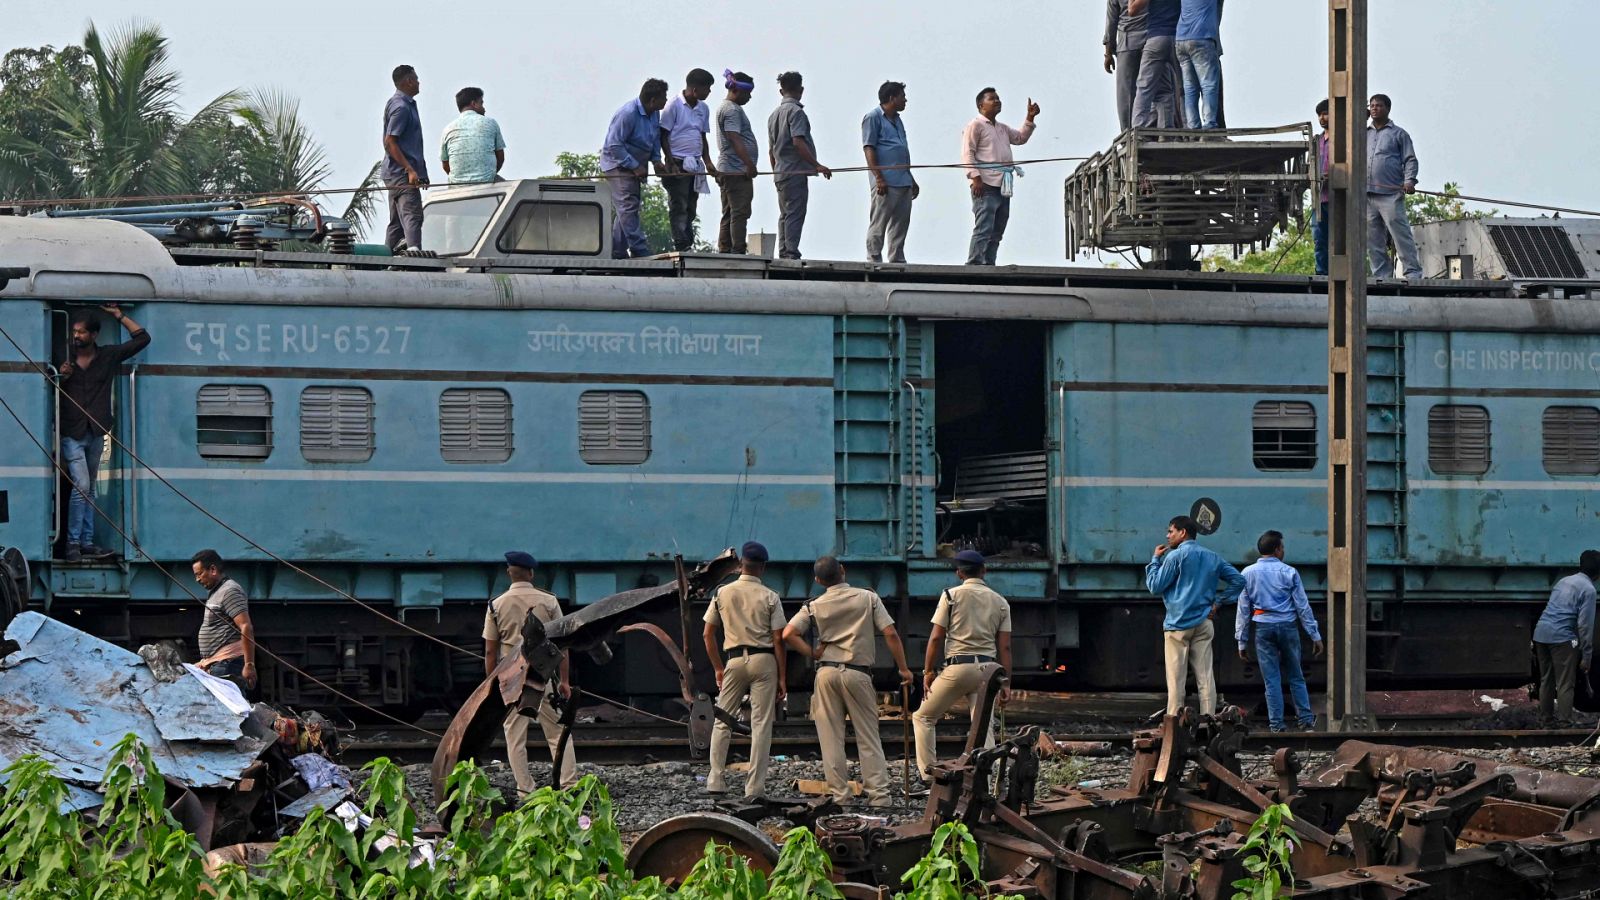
752,630
971,626
502,636
846,619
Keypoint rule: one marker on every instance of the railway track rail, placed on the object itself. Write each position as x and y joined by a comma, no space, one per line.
642,743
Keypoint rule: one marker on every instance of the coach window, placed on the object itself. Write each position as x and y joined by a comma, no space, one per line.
1458,439
557,229
475,425
613,428
233,421
336,424
1284,436
1572,440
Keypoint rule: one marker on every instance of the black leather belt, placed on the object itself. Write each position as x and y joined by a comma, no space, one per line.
746,651
964,660
865,670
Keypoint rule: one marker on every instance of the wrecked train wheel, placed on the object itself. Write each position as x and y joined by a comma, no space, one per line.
13,585
670,849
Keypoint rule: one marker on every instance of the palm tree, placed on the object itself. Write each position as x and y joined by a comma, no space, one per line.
124,135
103,121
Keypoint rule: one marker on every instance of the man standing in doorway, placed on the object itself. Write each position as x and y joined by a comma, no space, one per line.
971,626
751,616
405,173
472,150
633,141
684,125
1185,574
794,159
227,638
986,152
1273,604
736,164
847,618
1199,49
1391,175
87,376
502,636
1563,641
883,139
1154,102
1319,219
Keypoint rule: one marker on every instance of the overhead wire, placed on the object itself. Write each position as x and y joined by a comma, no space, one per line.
57,465
60,391
380,188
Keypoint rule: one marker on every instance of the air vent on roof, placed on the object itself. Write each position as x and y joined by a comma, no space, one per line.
1536,251
567,188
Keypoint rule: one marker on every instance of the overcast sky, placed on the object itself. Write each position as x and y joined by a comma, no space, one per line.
1498,95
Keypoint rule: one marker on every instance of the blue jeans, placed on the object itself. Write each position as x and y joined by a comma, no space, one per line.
627,229
990,212
1278,654
1319,236
82,462
1201,62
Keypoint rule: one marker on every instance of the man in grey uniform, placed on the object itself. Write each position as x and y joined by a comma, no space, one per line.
227,637
751,616
1124,43
847,619
1563,641
794,159
1391,175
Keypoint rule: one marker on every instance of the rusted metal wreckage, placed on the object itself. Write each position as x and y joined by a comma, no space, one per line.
521,680
233,768
1376,821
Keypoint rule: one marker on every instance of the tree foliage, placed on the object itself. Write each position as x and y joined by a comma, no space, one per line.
103,120
1295,253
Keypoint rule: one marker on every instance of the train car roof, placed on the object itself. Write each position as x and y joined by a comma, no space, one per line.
87,259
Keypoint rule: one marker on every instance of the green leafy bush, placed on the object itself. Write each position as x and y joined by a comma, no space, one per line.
1268,850
556,844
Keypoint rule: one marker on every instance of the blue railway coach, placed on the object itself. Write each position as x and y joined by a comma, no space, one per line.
383,429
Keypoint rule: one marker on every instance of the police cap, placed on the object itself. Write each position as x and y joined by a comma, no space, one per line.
753,551
969,558
521,560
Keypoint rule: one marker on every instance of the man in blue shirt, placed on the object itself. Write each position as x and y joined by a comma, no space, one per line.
1275,601
1153,100
1185,574
404,173
1199,48
633,141
1391,175
1563,641
883,139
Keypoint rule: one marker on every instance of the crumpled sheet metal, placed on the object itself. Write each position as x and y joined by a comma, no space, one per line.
70,697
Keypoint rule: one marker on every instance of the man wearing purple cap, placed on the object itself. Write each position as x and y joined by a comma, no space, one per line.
502,636
736,164
975,621
752,622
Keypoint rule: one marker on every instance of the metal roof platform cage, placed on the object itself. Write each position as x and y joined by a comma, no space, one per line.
1155,187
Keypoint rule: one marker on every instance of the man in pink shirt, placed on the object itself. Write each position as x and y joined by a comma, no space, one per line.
986,151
